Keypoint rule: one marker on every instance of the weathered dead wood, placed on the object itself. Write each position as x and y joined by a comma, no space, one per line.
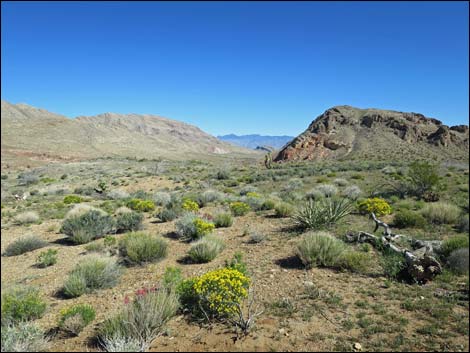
422,264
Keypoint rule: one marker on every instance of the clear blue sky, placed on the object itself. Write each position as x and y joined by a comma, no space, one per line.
241,67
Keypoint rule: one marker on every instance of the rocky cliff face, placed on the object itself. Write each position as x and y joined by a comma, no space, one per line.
344,131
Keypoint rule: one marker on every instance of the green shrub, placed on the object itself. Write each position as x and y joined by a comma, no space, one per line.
205,249
423,178
392,264
141,248
239,208
322,213
172,277
462,225
141,320
454,243
47,258
26,218
128,221
24,244
223,220
283,209
320,249
458,261
355,261
76,318
268,205
69,199
405,218
190,227
441,213
23,337
88,226
328,190
237,263
168,214
141,205
91,273
21,303
379,206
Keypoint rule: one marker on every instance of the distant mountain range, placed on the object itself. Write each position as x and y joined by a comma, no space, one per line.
37,134
253,141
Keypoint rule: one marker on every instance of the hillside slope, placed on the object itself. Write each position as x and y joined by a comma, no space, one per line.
38,133
353,133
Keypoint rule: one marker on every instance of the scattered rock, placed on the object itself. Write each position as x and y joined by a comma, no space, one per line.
357,347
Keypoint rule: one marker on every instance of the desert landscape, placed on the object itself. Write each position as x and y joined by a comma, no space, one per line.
324,227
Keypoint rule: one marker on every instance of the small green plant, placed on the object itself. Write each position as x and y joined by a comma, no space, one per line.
379,206
223,220
355,261
205,249
69,199
392,264
239,208
172,277
24,244
458,261
21,303
47,258
140,248
74,319
237,263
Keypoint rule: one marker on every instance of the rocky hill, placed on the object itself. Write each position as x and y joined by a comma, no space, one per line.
254,140
38,134
353,133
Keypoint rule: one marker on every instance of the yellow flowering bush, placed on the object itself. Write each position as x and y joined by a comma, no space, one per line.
203,228
239,208
253,194
220,290
189,205
377,205
141,205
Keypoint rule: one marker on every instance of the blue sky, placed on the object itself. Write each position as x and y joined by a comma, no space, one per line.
241,67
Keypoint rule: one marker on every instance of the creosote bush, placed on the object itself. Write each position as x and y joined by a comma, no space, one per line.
69,199
24,244
141,248
406,218
454,243
92,273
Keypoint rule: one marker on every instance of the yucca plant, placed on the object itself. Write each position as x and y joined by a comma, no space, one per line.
322,213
